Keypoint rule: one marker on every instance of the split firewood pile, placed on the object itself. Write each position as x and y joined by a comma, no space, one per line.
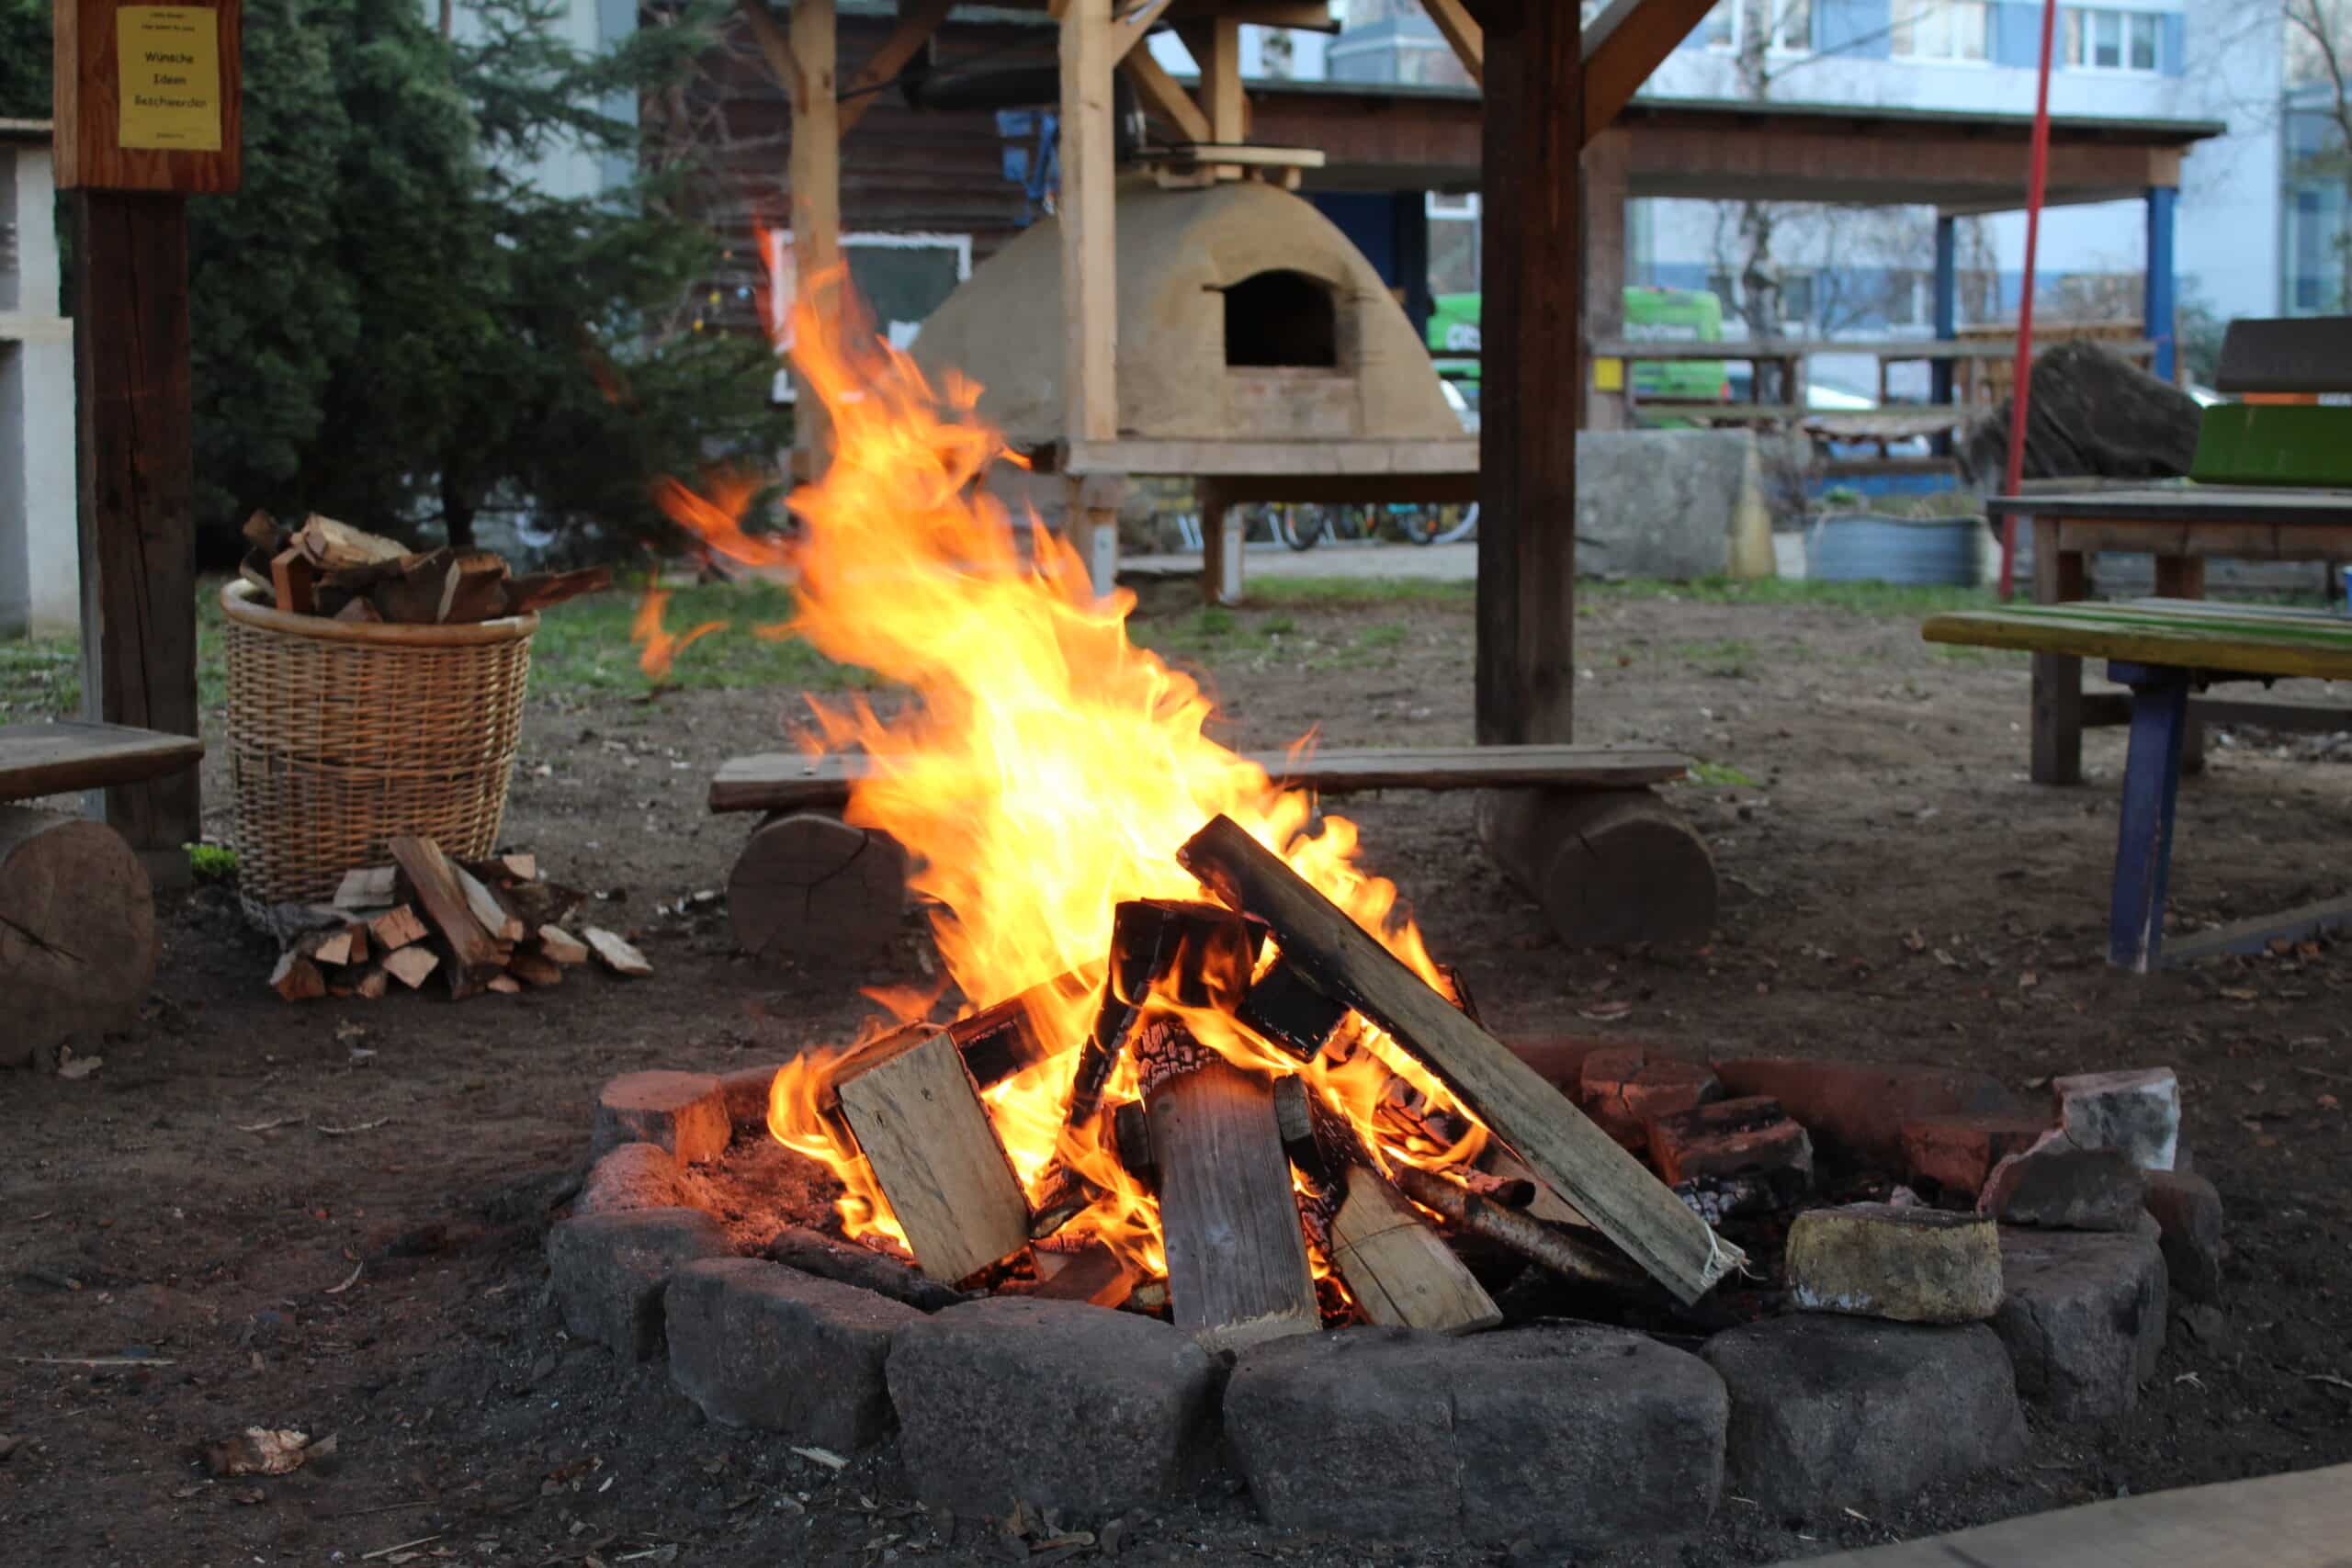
331,568
1250,1169
479,926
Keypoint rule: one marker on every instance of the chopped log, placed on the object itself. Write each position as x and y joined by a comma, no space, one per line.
1400,1273
521,866
1284,1008
617,954
926,1135
346,946
358,611
1458,993
1065,1195
370,889
814,1253
1008,1039
496,919
475,955
253,569
1608,868
562,946
1094,1274
293,583
807,885
474,590
542,590
1198,954
409,966
1236,1258
330,545
396,928
1567,1256
77,932
411,594
1501,1165
1131,1142
536,969
1582,1163
262,533
374,984
504,985
542,902
296,978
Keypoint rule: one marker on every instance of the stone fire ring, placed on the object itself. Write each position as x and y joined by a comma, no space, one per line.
1555,1433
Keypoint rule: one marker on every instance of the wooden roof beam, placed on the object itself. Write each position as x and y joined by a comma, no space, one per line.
1164,96
1462,33
1623,45
917,22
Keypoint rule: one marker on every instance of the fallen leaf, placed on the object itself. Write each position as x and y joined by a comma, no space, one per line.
2241,994
825,1457
258,1450
80,1067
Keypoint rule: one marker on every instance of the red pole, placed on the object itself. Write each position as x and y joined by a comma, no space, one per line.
2021,379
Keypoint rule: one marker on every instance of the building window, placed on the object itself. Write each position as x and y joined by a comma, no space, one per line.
1942,29
1450,204
1721,30
1796,299
1790,23
2102,39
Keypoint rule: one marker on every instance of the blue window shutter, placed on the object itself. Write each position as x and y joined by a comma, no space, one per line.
2173,52
2016,35
1855,29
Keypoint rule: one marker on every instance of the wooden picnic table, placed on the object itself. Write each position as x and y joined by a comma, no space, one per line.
2183,527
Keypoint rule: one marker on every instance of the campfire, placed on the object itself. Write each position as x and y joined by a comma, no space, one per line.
1203,1064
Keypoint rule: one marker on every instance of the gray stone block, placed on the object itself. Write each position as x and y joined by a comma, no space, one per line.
2056,1186
1056,1404
1828,1412
2137,1112
1672,503
1911,1265
2187,1211
634,1176
683,1112
1561,1435
2083,1317
755,1344
609,1271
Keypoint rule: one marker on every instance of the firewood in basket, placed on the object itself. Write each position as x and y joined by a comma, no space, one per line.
1195,953
296,978
615,954
1283,1007
1236,1258
329,546
368,887
409,966
293,583
411,593
1007,1038
926,1135
814,1253
358,611
396,928
1620,1196
474,590
1567,1256
254,570
542,590
475,954
262,533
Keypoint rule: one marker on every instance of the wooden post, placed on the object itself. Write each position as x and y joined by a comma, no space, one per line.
1534,373
1089,283
1607,159
147,109
815,176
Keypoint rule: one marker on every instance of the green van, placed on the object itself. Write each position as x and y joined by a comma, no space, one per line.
1671,315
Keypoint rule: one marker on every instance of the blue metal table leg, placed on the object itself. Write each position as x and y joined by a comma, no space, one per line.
2143,837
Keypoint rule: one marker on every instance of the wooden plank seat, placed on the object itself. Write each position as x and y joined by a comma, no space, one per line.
77,912
1576,825
2161,650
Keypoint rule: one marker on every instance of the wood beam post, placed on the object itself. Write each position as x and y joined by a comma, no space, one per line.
816,175
917,22
1089,283
1164,96
1624,44
1533,374
1216,46
1462,33
1604,170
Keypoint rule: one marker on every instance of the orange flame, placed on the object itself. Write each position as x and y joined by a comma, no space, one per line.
662,649
1047,769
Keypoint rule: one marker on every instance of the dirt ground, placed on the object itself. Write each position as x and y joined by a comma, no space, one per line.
329,1217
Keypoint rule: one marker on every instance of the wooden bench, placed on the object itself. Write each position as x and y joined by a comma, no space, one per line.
77,914
1576,825
2161,648
2271,481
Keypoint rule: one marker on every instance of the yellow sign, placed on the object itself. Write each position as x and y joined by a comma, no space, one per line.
169,60
1608,374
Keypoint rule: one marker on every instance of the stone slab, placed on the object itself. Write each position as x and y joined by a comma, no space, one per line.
756,1344
1056,1404
1858,1110
634,1176
608,1271
2082,1315
2055,1186
2189,1223
1561,1435
1910,1265
2137,1112
684,1113
1831,1412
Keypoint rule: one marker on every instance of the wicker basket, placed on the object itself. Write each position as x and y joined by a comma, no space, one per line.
343,736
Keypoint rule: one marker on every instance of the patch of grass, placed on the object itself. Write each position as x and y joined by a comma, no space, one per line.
1278,625
1335,591
40,679
212,863
584,647
1885,600
1387,634
1725,655
1722,775
1962,653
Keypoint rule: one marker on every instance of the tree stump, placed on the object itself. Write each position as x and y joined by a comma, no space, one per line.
809,883
1609,867
77,932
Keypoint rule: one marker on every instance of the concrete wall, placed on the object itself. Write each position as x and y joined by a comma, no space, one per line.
40,563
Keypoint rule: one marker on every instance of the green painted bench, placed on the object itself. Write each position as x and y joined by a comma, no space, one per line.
2161,648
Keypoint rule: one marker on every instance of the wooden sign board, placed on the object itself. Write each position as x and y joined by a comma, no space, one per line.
148,95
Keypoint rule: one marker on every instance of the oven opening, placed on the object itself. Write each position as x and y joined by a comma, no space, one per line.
1281,318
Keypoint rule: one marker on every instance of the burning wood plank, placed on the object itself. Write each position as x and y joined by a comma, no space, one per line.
1284,1008
923,1128
1628,1203
1094,1274
1236,1258
1564,1255
1008,1039
1399,1272
1201,955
